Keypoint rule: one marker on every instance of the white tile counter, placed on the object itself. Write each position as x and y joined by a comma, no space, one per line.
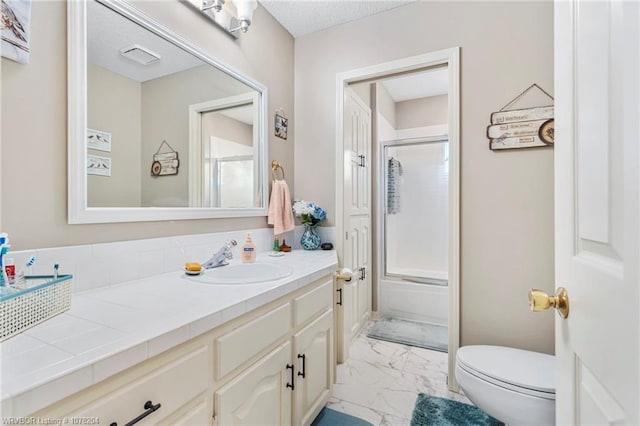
110,329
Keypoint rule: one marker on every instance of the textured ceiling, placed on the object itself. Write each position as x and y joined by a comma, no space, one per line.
302,17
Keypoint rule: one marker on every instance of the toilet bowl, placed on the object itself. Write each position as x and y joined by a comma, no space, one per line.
515,386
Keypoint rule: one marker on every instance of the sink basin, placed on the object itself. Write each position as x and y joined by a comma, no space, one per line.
249,273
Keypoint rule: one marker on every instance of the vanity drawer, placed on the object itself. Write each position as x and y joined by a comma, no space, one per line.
239,345
312,303
172,385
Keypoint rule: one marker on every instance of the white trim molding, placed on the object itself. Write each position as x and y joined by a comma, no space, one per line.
446,57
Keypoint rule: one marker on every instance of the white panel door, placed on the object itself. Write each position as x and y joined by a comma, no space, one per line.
357,217
597,215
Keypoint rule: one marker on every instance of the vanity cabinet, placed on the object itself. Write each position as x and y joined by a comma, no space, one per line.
290,384
274,365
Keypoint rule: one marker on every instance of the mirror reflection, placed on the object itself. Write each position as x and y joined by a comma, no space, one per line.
164,128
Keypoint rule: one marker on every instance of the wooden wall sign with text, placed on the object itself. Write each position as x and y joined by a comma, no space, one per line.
522,128
165,163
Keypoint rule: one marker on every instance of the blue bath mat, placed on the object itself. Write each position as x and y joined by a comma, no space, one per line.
434,411
411,333
329,417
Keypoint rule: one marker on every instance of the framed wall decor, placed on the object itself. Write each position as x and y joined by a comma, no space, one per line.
16,30
100,166
98,140
281,125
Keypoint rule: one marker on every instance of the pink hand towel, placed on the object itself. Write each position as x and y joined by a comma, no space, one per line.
280,212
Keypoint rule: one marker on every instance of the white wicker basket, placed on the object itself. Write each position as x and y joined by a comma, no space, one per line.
26,308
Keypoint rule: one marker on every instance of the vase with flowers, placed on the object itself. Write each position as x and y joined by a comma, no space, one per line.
310,215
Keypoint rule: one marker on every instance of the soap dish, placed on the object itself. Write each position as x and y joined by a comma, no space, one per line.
192,273
276,253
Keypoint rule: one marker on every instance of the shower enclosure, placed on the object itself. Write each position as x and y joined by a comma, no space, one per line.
414,194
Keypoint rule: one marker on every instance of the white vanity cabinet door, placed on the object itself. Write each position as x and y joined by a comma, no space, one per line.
315,343
259,395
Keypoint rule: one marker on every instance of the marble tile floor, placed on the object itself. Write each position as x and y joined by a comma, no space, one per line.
381,380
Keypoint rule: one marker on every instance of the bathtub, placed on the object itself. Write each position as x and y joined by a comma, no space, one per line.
421,299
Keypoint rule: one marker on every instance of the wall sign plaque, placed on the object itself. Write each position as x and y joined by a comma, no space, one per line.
522,128
165,163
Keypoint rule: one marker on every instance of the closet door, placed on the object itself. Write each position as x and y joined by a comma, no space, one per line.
357,219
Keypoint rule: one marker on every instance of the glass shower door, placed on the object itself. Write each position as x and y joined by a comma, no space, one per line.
416,219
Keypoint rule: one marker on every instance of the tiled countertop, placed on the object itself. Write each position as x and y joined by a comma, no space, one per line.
114,328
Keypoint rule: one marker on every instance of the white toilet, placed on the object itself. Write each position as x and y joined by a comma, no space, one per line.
516,387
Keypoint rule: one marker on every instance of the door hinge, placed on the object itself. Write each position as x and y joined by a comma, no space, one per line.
346,235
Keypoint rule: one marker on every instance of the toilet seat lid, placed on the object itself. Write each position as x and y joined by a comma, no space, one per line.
516,367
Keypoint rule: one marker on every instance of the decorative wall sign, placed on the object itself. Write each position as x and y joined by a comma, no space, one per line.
100,166
165,163
16,22
522,128
281,124
98,140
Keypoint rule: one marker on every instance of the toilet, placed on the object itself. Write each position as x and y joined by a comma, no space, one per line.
515,386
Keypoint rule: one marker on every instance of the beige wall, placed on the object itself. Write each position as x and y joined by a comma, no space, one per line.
507,197
363,91
228,128
34,175
386,106
165,116
114,107
422,112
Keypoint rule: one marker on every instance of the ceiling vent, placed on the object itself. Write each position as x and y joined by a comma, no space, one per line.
140,54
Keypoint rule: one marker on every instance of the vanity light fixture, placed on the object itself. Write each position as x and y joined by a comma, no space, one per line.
216,11
245,10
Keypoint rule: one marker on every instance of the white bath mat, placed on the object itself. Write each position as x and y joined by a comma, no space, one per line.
411,333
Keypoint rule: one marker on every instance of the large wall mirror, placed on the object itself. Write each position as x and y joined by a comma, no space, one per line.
158,130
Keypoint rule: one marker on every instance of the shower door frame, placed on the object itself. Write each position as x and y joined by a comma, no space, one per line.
381,229
451,58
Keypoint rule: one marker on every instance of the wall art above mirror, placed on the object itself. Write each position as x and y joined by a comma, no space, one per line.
185,135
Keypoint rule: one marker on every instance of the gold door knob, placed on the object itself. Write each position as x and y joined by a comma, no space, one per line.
540,301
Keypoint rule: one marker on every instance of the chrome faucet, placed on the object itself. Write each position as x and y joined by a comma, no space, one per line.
222,256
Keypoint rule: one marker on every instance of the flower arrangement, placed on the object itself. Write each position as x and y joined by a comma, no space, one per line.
309,213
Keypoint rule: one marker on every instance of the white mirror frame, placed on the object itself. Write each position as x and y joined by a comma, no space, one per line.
78,210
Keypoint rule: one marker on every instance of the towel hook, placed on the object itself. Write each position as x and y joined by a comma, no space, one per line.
275,166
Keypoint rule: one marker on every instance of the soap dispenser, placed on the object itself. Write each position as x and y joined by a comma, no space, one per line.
248,250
